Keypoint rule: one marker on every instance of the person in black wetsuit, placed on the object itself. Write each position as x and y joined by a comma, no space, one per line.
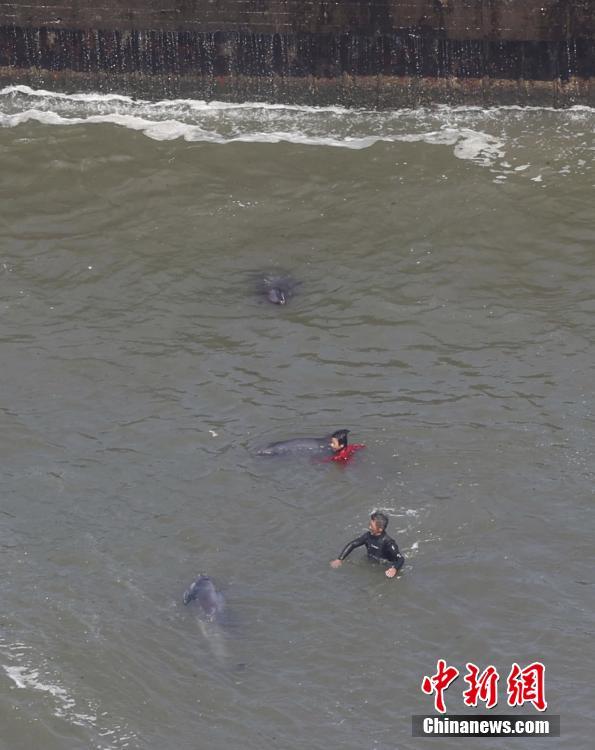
381,547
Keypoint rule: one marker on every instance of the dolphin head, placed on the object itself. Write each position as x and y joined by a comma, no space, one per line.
204,592
276,296
198,588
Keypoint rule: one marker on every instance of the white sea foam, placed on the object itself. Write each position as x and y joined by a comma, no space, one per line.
486,137
35,677
477,146
196,104
25,677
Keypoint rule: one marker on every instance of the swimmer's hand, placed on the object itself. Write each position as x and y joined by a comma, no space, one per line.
337,563
390,572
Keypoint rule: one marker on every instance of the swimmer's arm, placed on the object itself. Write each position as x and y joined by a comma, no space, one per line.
348,549
393,556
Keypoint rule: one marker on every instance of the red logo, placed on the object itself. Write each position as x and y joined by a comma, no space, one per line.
527,685
524,685
483,687
439,682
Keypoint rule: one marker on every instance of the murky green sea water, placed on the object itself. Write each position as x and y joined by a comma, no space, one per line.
445,316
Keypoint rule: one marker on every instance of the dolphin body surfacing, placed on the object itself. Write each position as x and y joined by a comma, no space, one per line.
210,620
278,288
319,446
210,600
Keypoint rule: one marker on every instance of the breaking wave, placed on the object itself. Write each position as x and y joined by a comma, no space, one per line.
505,138
35,675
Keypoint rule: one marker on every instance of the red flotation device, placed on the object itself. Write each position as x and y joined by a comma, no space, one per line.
344,455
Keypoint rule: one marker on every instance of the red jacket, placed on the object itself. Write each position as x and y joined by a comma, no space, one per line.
345,454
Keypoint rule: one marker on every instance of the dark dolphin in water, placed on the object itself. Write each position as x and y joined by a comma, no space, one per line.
316,445
210,621
211,601
278,288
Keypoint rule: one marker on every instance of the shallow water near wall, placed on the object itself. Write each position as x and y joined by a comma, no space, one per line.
444,315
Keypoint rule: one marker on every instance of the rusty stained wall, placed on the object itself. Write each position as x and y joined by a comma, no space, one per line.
527,20
321,51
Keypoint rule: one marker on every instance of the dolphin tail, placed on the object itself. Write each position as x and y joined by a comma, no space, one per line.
214,638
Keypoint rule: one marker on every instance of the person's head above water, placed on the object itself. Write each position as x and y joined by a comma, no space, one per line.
338,440
378,522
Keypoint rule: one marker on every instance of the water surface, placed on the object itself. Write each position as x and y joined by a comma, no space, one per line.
444,316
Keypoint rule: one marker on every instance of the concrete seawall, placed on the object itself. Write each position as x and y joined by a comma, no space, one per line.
368,53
